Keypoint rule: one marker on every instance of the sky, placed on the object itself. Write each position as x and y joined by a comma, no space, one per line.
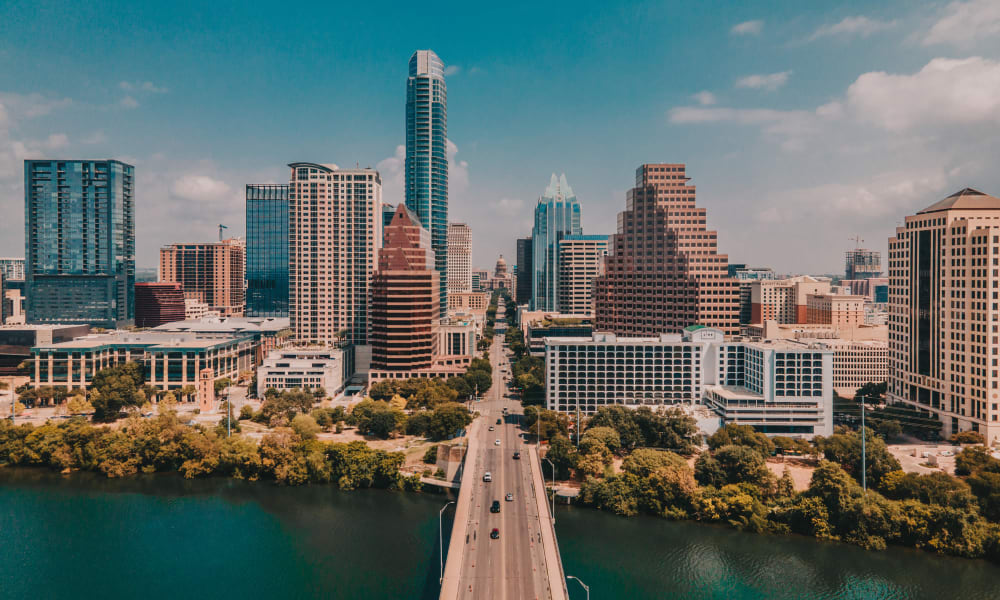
802,124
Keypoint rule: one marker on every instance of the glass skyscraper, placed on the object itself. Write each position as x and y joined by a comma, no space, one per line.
427,155
79,242
557,215
267,250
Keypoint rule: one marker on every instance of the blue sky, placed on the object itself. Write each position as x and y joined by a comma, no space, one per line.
802,123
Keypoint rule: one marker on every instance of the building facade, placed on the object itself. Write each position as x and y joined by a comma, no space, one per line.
557,215
524,271
426,165
12,268
405,314
79,240
459,258
581,261
943,312
267,250
835,309
212,273
334,232
158,303
861,263
663,271
783,300
778,388
304,368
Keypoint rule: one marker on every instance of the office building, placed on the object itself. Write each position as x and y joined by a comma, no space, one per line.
539,324
334,232
783,300
663,271
943,312
79,242
480,280
745,273
388,212
12,268
469,302
267,333
212,273
16,342
779,388
581,260
305,368
457,337
404,311
426,166
267,250
459,258
557,215
862,264
835,309
524,271
158,303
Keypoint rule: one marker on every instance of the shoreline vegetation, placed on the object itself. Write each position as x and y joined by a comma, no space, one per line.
637,461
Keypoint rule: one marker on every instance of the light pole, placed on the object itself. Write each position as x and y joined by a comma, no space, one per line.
864,452
585,588
441,540
551,464
229,411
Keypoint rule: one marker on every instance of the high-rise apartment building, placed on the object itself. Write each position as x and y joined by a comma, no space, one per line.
334,233
557,215
663,271
581,261
524,271
459,258
79,242
943,313
426,167
835,309
211,273
12,268
862,264
157,303
404,312
267,250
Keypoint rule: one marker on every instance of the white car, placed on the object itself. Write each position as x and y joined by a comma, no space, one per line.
496,443
487,477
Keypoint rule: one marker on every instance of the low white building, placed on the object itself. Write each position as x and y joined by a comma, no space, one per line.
291,368
780,388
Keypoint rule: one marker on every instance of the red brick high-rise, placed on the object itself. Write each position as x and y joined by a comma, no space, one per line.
663,271
405,297
157,303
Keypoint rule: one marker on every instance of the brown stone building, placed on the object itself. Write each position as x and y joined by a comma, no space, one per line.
157,303
211,273
663,271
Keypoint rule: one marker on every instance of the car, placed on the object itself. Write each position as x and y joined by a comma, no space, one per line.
487,476
496,443
499,422
495,507
491,428
509,497
495,534
517,455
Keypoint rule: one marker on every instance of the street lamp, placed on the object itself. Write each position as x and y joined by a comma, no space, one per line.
585,588
551,464
441,540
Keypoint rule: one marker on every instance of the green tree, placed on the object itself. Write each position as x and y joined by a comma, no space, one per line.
645,461
741,435
115,388
605,436
563,455
306,427
447,419
845,449
975,459
732,465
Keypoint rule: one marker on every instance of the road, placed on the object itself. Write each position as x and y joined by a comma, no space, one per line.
513,566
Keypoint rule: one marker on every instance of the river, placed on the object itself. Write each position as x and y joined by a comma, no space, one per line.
160,536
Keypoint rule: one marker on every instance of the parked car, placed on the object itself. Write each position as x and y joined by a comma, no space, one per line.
499,422
496,443
491,428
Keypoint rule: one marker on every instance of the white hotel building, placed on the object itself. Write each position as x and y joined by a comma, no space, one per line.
780,388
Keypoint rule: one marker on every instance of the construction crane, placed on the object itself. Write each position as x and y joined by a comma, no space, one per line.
221,227
856,239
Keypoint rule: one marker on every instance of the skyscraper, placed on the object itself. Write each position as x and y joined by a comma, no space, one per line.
581,260
79,242
212,273
524,271
427,156
459,258
267,250
405,314
664,271
942,313
334,233
861,263
557,215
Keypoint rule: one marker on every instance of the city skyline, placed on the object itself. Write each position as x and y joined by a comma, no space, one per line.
799,121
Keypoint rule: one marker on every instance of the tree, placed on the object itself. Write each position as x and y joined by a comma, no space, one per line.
834,488
741,435
116,388
552,423
986,486
933,488
563,455
306,427
975,459
168,402
286,403
430,456
221,384
967,437
731,465
644,461
78,405
845,449
606,436
447,419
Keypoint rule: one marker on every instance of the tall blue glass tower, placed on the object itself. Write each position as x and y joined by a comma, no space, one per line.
427,155
557,215
79,242
267,250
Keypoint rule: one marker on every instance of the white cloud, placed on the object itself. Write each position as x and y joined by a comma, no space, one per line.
852,26
704,98
391,171
142,86
946,92
748,28
458,172
200,188
508,207
769,82
29,106
964,23
128,102
56,141
452,70
98,137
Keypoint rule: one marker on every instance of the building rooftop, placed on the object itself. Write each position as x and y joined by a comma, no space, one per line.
146,339
966,199
227,325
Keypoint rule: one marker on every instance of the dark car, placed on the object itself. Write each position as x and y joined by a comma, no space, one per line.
499,421
517,456
495,534
495,508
